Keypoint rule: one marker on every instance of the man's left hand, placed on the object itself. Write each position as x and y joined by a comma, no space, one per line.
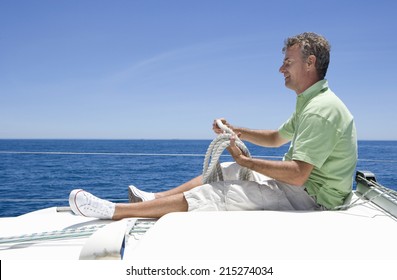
235,151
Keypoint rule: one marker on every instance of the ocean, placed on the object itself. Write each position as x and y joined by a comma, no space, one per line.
35,174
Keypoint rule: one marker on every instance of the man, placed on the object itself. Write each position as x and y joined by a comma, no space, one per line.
315,174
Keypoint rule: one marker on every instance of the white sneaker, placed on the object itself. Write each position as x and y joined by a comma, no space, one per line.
85,204
136,195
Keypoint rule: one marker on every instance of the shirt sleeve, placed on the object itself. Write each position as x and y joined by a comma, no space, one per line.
286,130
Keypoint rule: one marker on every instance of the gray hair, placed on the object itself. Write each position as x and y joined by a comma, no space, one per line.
312,44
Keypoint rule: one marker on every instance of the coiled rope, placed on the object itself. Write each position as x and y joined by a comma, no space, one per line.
212,171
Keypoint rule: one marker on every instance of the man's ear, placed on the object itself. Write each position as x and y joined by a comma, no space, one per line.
311,61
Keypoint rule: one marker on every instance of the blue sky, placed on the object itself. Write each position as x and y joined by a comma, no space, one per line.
165,69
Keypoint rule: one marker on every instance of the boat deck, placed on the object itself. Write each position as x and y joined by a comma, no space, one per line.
361,232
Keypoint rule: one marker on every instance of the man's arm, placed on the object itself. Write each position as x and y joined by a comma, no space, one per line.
292,172
265,138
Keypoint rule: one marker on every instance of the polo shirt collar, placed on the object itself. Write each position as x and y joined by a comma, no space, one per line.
311,92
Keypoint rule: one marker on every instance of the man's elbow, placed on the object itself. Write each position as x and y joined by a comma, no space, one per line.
302,173
278,140
299,181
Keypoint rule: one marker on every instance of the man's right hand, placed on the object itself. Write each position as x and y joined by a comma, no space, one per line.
217,129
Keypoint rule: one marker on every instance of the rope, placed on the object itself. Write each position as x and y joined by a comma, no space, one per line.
212,171
382,191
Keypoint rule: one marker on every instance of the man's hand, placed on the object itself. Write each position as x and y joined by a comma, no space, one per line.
235,151
217,129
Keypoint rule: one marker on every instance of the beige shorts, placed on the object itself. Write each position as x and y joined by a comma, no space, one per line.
234,195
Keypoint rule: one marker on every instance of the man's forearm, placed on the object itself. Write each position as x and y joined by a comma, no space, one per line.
265,138
291,172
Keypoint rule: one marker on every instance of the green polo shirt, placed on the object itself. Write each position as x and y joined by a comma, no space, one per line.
322,133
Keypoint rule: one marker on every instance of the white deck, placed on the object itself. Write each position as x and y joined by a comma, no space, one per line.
270,235
45,220
360,233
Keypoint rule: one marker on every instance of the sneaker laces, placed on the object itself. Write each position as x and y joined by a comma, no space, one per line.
93,206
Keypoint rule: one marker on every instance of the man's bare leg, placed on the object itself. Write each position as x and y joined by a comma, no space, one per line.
195,182
151,209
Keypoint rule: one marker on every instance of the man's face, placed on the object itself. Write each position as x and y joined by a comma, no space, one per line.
294,69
